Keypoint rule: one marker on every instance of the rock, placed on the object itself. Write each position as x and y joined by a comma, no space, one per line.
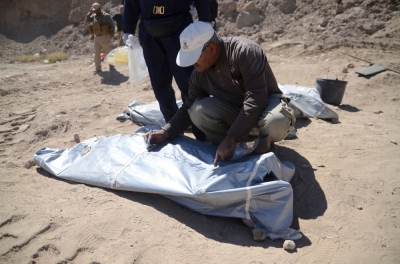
261,4
228,7
289,245
248,19
286,6
351,65
393,142
339,9
359,207
78,10
345,70
371,26
250,6
350,3
248,222
278,30
323,22
334,121
258,235
378,112
76,138
30,163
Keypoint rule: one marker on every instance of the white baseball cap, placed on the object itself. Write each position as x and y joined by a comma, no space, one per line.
192,39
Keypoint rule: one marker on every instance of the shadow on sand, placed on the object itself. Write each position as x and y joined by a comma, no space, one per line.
112,77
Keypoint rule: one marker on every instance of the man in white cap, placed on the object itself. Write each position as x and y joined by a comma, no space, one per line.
102,27
233,95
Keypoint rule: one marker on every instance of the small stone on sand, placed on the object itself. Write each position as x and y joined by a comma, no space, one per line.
289,245
30,163
258,235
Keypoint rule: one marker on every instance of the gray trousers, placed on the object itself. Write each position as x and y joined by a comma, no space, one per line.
214,117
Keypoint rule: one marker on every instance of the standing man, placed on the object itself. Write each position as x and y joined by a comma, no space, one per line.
118,19
102,27
233,94
161,23
214,12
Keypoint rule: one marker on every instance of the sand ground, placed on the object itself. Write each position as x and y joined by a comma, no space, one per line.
346,185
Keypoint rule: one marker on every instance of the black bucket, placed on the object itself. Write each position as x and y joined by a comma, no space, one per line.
331,91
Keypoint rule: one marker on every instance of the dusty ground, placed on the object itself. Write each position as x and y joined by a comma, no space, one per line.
346,185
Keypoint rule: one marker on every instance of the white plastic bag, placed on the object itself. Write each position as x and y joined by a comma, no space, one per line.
118,55
137,65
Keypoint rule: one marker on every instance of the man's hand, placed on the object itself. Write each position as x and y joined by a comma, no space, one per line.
129,39
125,37
225,149
157,136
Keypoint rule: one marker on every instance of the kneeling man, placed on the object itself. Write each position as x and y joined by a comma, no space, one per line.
233,95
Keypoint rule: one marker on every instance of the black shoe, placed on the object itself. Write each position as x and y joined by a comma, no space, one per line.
199,135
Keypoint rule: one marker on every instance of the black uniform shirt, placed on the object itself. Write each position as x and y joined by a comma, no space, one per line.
118,18
149,9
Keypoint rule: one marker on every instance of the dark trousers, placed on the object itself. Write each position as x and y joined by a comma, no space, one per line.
160,56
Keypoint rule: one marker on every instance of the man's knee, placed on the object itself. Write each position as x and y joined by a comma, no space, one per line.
277,128
196,111
207,110
205,115
274,125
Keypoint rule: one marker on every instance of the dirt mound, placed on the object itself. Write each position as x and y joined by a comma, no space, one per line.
33,26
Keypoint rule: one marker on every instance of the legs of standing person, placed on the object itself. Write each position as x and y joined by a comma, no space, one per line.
275,123
213,116
101,43
159,72
120,41
105,43
97,51
181,74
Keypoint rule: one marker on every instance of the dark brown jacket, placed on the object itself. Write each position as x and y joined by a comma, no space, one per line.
241,76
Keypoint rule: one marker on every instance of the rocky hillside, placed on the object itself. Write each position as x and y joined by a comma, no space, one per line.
25,20
36,25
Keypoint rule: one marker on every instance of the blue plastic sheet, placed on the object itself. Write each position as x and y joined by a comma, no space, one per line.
182,170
